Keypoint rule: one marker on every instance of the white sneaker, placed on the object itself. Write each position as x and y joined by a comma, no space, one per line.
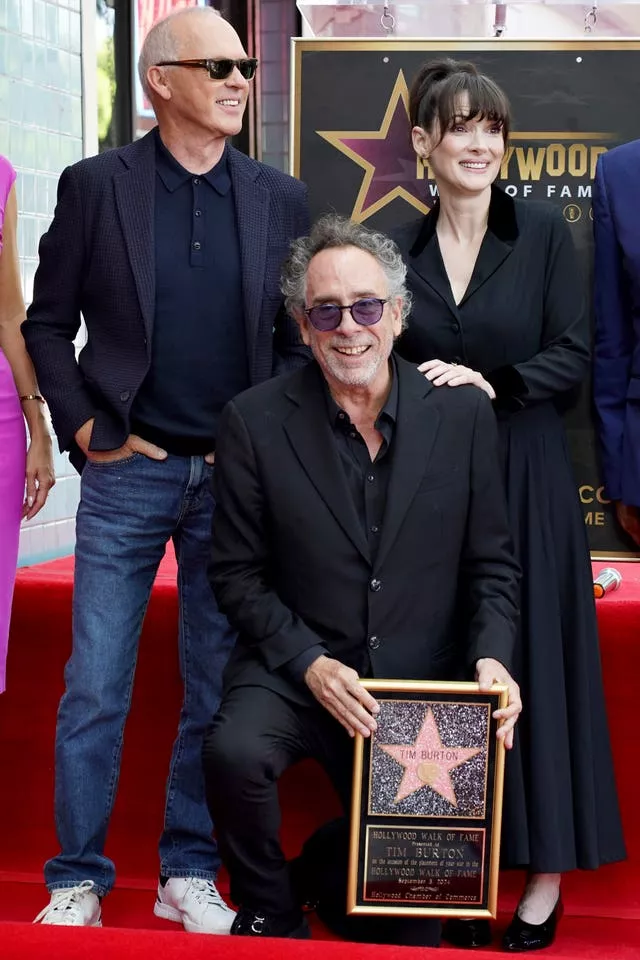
73,907
194,903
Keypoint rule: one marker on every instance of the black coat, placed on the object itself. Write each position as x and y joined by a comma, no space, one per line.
290,562
522,320
97,259
522,323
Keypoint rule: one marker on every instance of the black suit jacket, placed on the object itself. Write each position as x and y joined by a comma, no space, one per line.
97,258
290,563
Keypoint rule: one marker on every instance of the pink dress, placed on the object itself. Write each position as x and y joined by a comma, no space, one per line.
12,463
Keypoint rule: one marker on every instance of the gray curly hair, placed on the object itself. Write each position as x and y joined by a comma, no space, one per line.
333,231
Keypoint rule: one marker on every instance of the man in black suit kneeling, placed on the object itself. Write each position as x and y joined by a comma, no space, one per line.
360,531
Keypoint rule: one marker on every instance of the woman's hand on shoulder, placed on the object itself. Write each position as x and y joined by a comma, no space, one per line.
440,373
40,474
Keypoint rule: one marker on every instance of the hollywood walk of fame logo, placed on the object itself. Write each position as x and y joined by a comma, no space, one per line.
428,762
392,171
387,157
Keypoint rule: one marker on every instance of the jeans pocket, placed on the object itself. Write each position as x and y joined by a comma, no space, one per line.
122,461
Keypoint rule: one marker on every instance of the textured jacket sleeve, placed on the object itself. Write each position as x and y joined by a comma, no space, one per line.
53,319
289,351
489,572
239,567
563,360
613,348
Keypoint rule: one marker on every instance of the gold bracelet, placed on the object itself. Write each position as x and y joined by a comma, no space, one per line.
32,396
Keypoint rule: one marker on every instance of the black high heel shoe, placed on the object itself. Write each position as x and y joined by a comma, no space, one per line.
521,936
467,933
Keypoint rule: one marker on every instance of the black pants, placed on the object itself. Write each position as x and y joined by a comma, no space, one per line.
255,737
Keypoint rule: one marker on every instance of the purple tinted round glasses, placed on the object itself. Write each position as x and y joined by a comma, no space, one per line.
328,316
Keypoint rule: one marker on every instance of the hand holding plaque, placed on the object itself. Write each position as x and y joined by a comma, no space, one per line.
338,689
488,672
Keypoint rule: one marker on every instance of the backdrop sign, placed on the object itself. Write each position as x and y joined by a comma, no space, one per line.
571,102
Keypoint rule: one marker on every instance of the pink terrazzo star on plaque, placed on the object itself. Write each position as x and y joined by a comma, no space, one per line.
427,761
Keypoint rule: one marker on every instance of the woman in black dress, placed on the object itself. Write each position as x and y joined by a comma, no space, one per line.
498,302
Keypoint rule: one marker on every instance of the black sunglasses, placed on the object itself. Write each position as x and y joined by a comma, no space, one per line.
218,69
328,316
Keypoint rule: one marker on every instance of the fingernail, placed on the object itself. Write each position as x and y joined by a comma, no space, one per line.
30,501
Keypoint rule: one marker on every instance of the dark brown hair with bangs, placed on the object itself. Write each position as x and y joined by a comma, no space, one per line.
434,98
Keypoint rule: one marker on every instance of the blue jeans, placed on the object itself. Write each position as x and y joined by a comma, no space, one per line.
128,511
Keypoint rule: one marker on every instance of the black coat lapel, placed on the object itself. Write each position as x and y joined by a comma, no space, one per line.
415,432
252,216
135,199
492,253
309,433
422,254
502,233
430,266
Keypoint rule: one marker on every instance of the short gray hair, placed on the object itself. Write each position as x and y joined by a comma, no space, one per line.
161,44
333,231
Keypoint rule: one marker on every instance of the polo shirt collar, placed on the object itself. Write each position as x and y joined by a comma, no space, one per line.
173,174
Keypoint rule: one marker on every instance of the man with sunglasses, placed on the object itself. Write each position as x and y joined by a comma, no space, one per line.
171,249
360,531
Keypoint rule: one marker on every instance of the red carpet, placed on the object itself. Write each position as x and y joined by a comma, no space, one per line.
602,909
610,941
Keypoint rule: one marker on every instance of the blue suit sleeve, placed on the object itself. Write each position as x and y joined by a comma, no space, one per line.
612,345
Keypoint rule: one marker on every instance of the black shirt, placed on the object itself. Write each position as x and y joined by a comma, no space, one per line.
368,483
199,354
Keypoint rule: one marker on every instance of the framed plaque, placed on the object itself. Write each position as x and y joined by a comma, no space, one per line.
427,802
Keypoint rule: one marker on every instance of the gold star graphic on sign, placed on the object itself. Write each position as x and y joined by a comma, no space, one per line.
387,157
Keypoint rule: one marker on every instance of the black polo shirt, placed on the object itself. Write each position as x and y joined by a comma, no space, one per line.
368,483
198,348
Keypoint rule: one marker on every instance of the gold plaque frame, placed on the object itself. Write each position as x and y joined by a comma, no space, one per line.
467,829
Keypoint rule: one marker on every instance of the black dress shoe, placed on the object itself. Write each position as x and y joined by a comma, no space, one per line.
467,933
254,923
521,936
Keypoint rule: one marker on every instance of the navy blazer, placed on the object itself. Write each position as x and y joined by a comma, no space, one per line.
616,375
97,259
